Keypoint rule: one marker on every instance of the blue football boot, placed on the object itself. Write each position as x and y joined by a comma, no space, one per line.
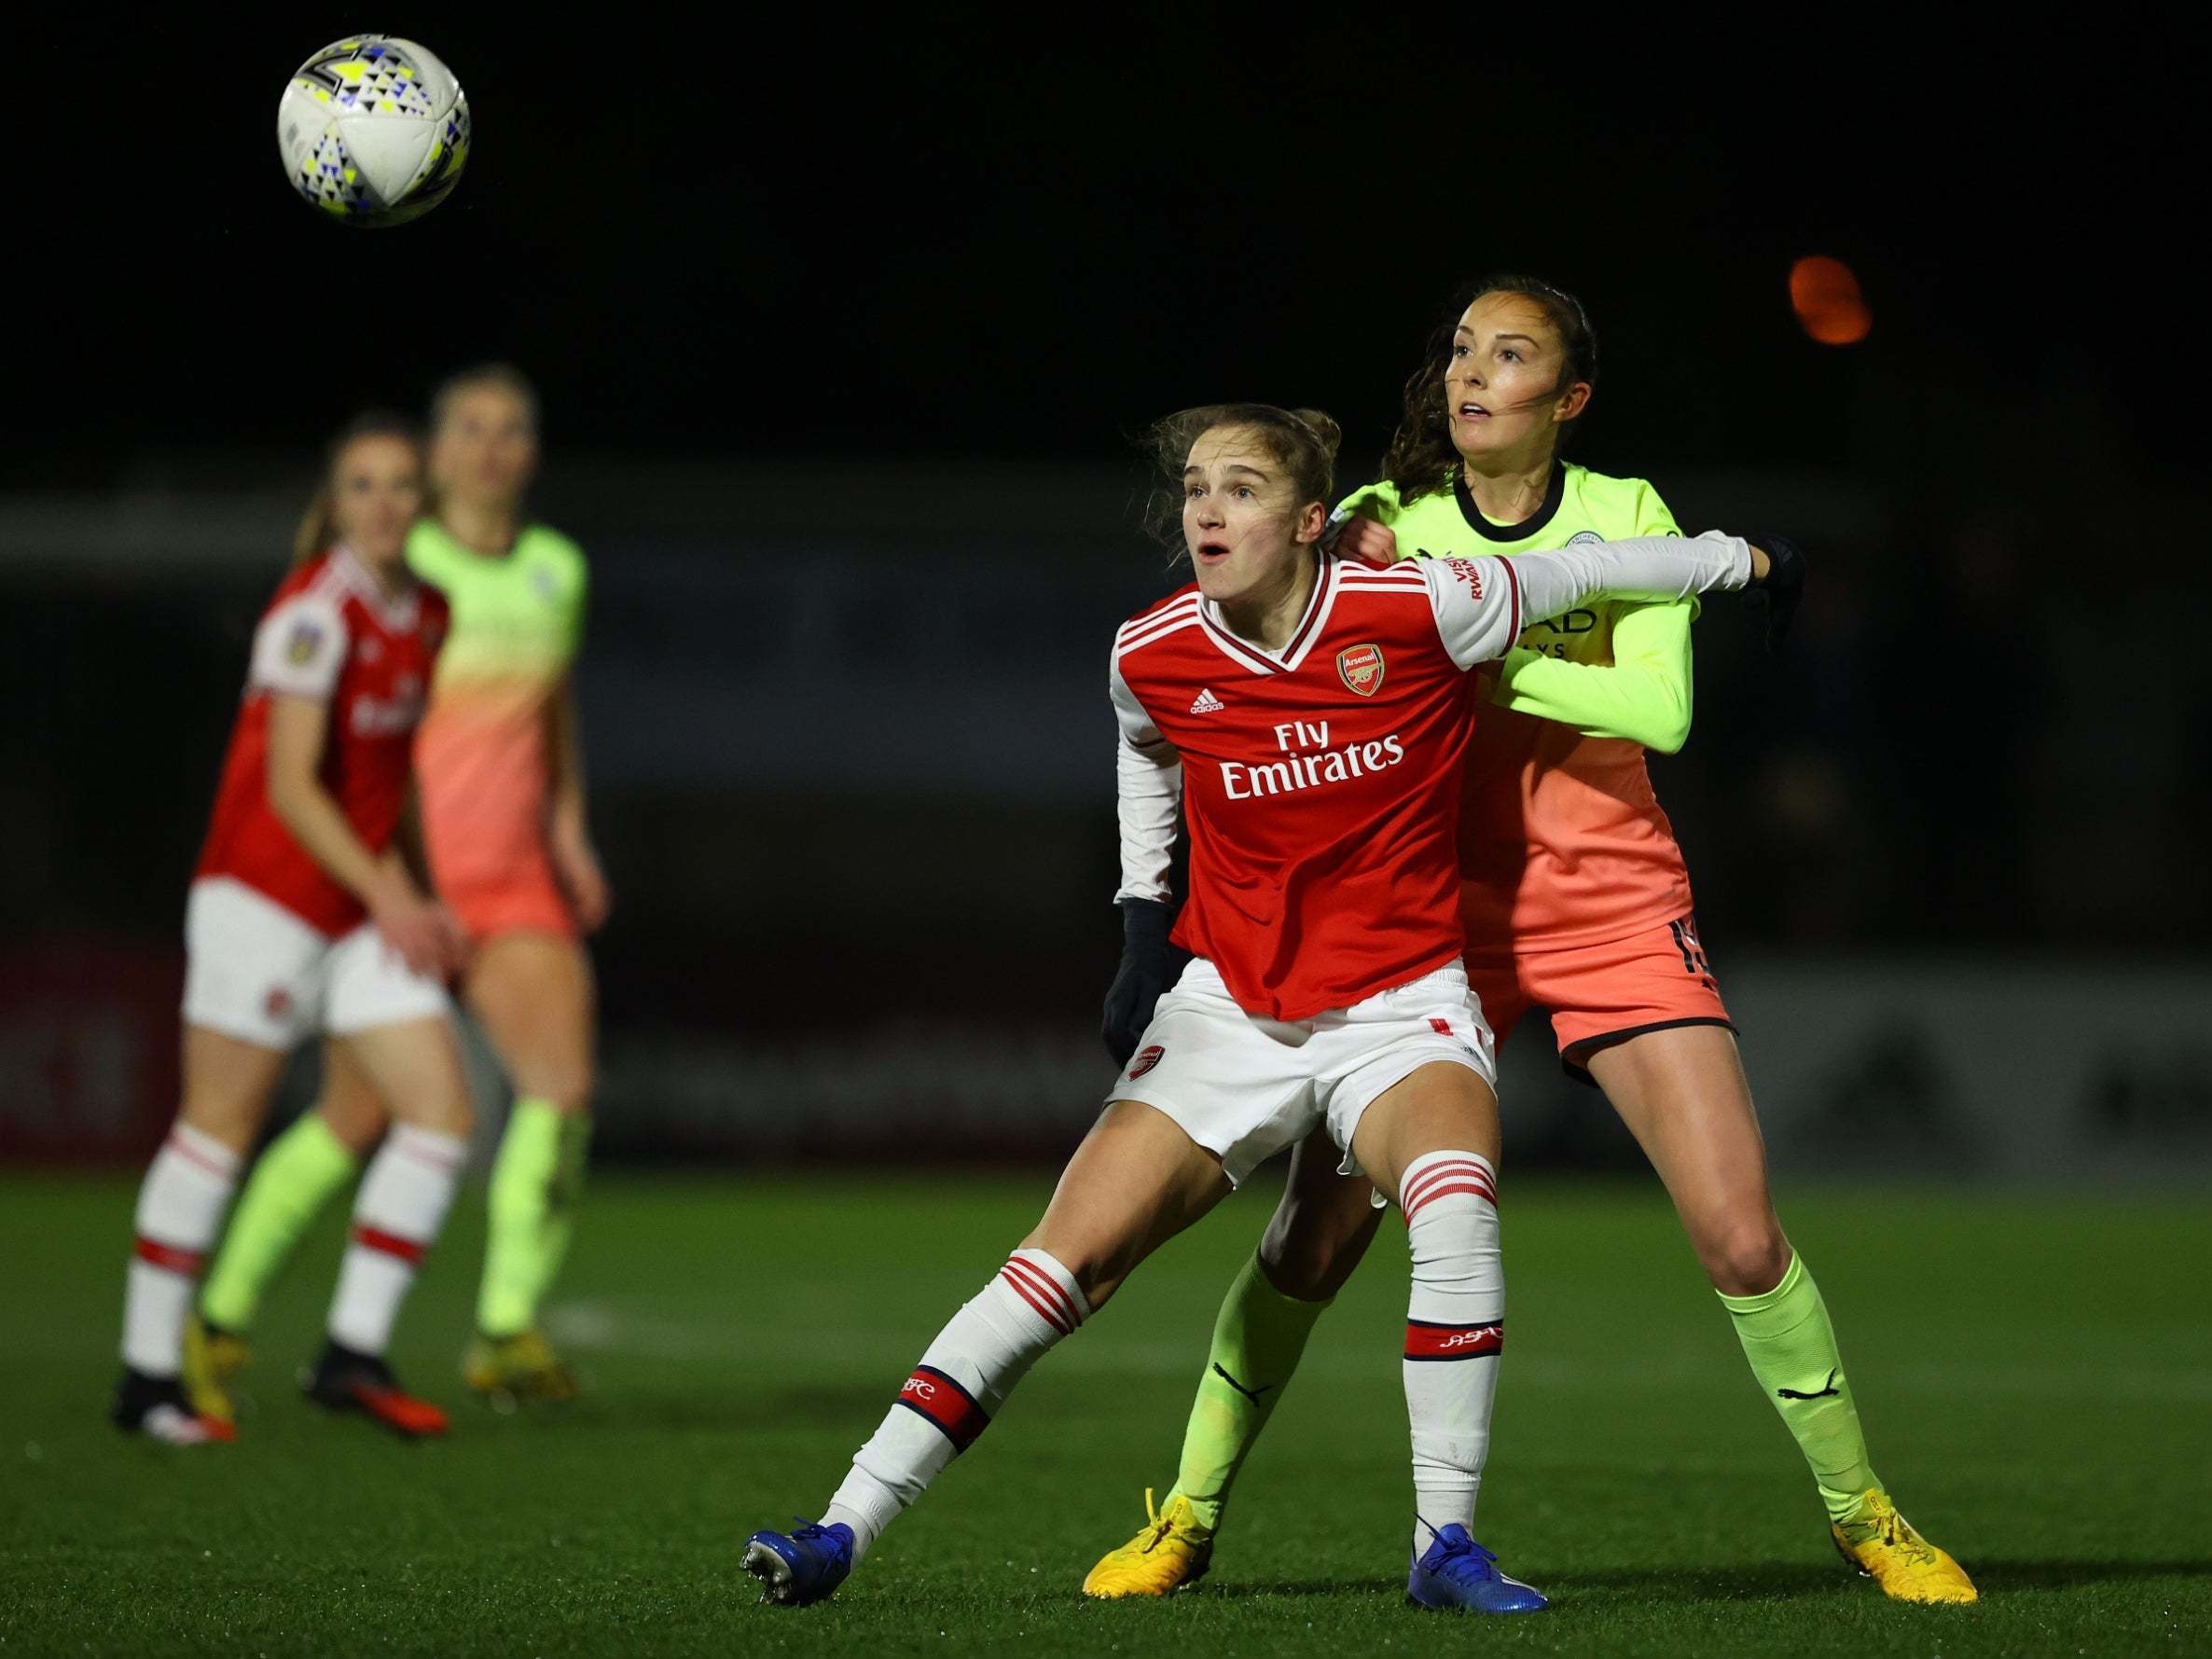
1455,1571
796,1568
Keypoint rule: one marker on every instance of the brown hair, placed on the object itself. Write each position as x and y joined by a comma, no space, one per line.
505,375
318,525
1421,459
1304,443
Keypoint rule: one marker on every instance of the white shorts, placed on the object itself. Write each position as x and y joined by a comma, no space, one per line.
1244,1087
256,972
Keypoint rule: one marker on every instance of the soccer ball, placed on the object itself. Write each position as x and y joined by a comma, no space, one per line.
373,129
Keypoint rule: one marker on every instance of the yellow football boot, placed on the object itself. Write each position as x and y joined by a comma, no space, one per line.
1882,1544
507,1369
1172,1551
212,1359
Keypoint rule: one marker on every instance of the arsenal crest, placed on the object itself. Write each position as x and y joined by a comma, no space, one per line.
1146,1061
1361,667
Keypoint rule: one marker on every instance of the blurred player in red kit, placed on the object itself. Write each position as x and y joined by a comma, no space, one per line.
303,920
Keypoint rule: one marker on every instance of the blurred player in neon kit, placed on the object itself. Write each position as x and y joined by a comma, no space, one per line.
504,820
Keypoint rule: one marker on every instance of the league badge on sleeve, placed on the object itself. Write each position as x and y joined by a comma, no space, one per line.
1362,668
305,644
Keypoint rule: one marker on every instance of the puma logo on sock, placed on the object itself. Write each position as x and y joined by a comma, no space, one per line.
1789,1393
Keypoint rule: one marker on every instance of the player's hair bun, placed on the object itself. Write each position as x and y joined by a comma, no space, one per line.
1324,428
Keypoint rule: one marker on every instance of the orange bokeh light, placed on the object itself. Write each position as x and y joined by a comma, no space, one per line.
1825,296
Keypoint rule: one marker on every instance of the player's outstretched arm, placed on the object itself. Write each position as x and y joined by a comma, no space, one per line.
1482,604
1644,695
1640,567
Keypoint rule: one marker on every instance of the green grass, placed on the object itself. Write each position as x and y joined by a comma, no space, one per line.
2035,1376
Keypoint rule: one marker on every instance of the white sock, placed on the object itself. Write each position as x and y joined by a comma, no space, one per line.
403,1202
1455,1325
180,1207
950,1397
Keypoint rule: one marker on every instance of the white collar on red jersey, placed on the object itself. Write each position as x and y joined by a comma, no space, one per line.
397,612
1259,662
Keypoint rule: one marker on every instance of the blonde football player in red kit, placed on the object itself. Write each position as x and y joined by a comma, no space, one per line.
303,920
1309,714
1575,898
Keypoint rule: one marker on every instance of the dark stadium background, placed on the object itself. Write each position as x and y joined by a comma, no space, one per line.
843,331
844,317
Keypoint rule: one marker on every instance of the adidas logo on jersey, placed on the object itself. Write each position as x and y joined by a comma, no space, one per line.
1207,704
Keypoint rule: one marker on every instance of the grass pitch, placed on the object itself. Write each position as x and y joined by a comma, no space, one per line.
2035,1376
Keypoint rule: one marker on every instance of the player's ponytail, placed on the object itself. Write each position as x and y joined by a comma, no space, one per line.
1421,459
318,525
1302,442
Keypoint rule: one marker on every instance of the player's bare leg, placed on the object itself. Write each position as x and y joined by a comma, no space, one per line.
1431,1141
1135,1182
534,994
1683,1095
1320,1230
349,1104
295,1178
416,1066
226,1085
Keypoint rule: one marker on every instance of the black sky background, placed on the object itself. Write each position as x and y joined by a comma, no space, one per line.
944,235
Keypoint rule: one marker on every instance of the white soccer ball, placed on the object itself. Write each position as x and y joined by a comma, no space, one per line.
373,129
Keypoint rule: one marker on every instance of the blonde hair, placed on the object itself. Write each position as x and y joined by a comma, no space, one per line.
318,525
505,377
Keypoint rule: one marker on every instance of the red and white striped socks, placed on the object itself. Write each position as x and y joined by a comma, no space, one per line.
180,1208
952,1396
402,1204
1455,1326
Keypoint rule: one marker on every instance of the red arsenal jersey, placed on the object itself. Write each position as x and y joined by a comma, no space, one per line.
1320,783
332,634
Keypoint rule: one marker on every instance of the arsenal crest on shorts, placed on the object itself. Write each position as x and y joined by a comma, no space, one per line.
1146,1061
1361,667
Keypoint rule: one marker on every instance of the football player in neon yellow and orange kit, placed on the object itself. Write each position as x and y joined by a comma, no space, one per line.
502,783
1573,898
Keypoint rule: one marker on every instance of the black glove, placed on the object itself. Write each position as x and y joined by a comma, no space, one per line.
1149,965
1779,590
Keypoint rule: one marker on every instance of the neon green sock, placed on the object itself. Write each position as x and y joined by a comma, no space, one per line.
303,1168
1791,1347
566,1194
1258,1337
532,1203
